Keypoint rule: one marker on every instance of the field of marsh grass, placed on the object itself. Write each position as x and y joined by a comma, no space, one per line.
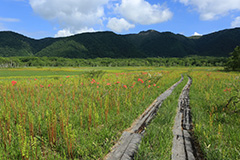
73,116
215,104
79,113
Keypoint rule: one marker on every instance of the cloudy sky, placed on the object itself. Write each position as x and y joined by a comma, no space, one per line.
57,18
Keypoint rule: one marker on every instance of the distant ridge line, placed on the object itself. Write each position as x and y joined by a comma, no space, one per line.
144,44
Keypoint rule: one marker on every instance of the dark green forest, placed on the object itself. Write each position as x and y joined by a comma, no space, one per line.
233,62
145,44
12,62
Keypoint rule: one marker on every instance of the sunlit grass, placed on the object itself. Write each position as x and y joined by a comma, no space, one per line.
73,116
216,124
62,113
54,71
157,141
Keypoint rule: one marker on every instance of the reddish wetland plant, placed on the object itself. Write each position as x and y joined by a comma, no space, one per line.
73,117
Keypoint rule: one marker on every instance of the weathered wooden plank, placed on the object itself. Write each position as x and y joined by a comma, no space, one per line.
131,137
182,142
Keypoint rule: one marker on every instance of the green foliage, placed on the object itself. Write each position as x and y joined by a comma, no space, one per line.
95,73
20,49
157,141
218,43
72,117
233,62
108,44
234,99
64,48
9,62
165,44
216,126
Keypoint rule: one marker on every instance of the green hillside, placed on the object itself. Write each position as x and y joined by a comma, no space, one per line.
64,48
108,44
12,44
166,44
218,43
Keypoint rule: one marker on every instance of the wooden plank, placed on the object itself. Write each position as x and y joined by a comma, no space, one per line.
131,137
183,148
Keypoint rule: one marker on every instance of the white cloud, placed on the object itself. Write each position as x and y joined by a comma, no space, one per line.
142,12
213,9
196,34
119,25
63,33
236,22
72,15
9,19
68,32
83,30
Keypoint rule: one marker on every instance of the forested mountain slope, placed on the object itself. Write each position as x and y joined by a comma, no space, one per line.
108,44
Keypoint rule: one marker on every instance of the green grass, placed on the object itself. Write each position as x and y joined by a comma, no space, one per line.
73,117
53,109
55,71
157,141
216,127
7,73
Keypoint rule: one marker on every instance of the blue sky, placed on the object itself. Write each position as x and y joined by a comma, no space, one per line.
56,18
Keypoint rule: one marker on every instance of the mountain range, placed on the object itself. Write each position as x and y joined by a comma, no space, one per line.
149,43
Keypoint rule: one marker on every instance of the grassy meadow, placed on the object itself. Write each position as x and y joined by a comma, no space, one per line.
157,141
79,113
215,104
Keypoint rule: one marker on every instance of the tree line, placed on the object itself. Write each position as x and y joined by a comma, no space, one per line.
233,62
14,62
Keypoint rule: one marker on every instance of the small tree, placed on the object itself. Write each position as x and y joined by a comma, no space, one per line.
233,62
